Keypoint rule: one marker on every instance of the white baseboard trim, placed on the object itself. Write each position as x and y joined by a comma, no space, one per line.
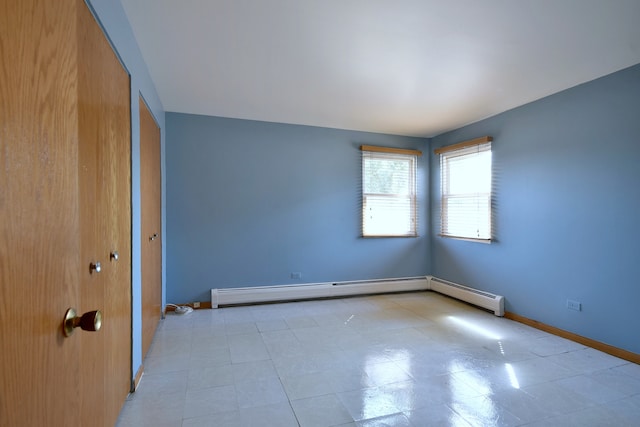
260,294
473,296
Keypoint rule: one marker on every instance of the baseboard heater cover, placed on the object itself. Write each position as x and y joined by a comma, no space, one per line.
259,294
473,296
231,296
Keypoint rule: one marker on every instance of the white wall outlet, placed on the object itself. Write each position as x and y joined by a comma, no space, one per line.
196,305
574,305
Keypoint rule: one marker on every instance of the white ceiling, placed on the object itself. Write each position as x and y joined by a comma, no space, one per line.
408,67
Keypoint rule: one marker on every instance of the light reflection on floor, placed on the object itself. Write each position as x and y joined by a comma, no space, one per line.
512,375
394,360
485,332
482,410
380,372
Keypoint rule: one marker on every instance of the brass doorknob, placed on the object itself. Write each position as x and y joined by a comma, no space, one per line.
90,321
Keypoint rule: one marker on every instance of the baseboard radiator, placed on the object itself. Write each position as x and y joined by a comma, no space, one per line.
231,296
482,299
261,294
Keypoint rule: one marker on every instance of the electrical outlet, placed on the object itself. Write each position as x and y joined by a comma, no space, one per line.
196,305
296,275
574,305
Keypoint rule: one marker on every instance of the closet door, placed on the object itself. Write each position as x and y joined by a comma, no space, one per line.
64,207
150,185
39,222
104,142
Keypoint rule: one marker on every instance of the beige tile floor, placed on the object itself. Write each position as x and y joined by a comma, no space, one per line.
414,359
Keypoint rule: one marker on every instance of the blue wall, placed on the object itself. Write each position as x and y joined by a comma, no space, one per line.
249,202
567,200
567,210
116,25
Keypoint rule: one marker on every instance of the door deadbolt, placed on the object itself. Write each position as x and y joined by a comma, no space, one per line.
90,321
114,256
154,237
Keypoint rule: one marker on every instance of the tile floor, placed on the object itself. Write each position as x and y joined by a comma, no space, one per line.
414,359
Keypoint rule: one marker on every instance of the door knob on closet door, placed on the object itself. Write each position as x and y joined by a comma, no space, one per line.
95,266
90,321
154,237
114,255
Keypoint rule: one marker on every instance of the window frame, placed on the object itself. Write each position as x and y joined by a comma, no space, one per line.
388,153
479,198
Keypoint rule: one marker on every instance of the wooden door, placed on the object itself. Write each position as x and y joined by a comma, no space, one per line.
64,202
39,212
105,219
150,185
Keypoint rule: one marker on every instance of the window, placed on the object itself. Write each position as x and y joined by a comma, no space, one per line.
465,182
389,192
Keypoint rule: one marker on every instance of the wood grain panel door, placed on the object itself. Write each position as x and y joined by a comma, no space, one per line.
105,220
150,185
64,204
39,212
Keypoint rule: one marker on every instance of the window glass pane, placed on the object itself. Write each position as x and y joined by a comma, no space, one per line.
388,216
467,174
388,196
387,176
466,192
468,216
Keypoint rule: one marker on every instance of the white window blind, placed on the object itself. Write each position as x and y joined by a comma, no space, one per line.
465,174
389,192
